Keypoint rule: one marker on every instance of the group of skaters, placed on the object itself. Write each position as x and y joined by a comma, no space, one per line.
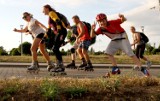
83,34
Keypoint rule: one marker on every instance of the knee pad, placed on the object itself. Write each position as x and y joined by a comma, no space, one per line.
72,50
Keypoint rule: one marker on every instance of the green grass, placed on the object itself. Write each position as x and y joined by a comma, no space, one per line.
95,59
71,89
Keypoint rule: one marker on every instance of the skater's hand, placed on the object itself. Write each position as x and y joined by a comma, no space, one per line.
121,16
15,30
61,37
94,26
77,40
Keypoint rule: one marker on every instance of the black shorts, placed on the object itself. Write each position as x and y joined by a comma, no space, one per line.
40,36
140,51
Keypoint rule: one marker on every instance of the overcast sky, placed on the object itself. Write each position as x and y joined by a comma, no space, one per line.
137,12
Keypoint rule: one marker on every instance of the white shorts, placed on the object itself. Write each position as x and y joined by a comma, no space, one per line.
116,45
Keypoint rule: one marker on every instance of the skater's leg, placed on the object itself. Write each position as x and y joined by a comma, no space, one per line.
112,48
73,55
112,59
34,48
81,56
44,52
84,47
57,53
142,49
86,56
79,51
110,51
126,47
136,61
137,52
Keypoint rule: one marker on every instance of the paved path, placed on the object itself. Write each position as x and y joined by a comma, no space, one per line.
44,65
19,72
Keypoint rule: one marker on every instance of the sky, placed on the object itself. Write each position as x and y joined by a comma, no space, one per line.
137,12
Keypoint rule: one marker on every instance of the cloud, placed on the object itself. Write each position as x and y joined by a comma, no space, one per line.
2,1
144,16
71,2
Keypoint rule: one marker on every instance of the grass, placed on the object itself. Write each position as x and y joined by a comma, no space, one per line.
116,88
95,59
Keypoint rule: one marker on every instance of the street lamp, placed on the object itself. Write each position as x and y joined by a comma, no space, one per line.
155,7
21,26
142,28
159,5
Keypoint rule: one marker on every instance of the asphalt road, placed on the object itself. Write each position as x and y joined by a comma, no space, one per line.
19,72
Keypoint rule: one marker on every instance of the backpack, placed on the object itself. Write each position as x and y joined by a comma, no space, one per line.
63,19
88,25
144,37
74,30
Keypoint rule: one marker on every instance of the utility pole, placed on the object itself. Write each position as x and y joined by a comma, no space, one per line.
142,28
159,5
21,26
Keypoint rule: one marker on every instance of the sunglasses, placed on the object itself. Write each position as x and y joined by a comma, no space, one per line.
24,17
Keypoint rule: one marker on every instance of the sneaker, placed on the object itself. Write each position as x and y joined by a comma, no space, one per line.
145,71
115,70
136,68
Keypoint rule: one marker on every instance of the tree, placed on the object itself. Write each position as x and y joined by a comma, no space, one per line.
15,52
149,48
91,51
26,48
154,51
2,51
158,49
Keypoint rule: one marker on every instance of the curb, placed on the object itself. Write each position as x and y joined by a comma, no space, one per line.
44,65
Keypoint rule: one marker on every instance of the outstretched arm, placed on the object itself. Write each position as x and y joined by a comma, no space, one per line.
41,25
21,31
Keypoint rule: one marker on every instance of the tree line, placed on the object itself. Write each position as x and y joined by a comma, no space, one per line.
150,50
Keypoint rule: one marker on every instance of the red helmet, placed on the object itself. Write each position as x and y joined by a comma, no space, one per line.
101,16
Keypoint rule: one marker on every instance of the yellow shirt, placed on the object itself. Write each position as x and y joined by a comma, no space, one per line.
55,17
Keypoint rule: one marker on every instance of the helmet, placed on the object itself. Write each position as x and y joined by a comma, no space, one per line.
101,16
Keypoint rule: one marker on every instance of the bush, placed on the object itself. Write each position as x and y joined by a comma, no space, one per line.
49,90
26,48
15,52
2,51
